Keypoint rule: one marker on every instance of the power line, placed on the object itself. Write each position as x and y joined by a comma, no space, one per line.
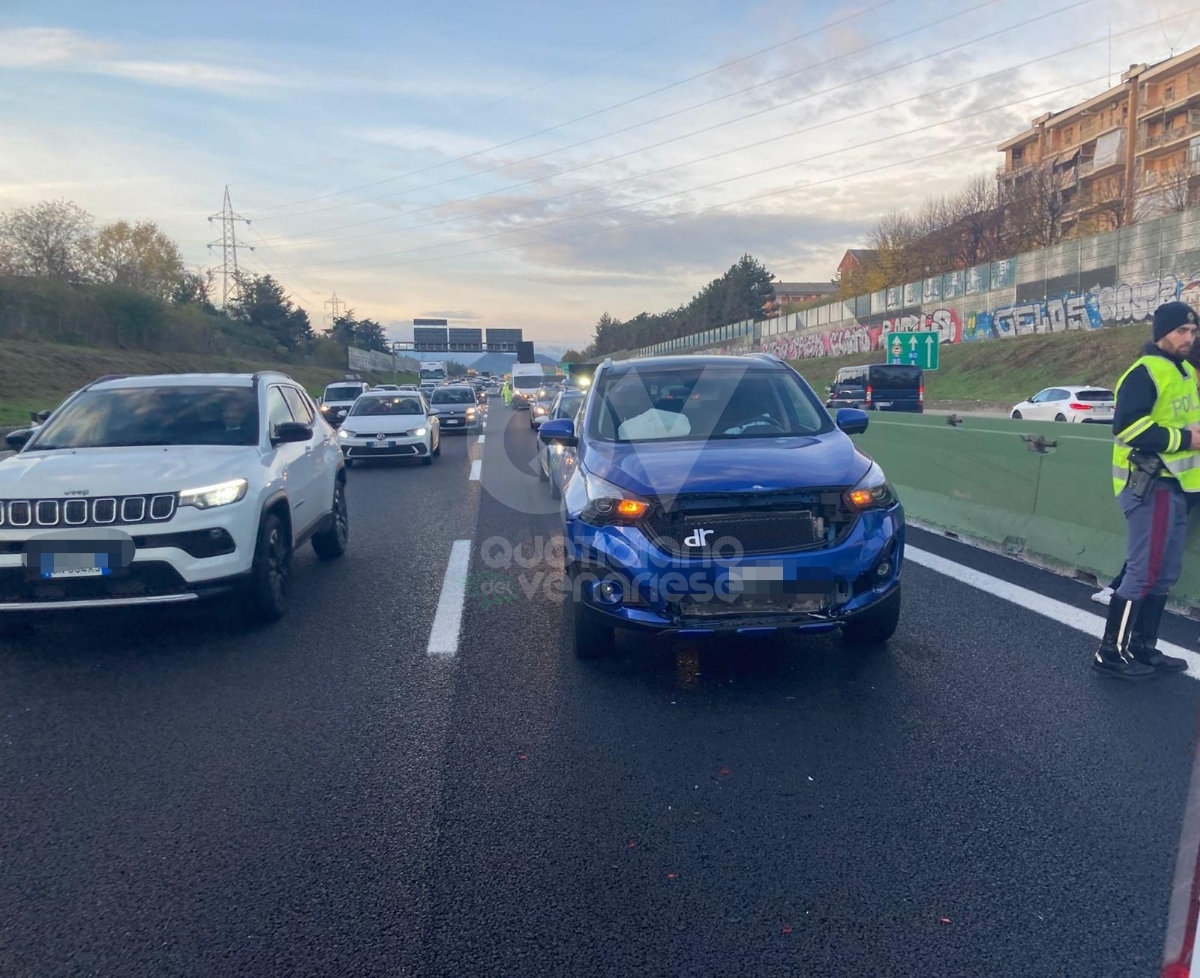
646,42
611,183
773,193
228,244
597,112
665,117
283,261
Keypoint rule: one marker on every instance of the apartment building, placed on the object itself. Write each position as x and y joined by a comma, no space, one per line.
1168,135
1129,153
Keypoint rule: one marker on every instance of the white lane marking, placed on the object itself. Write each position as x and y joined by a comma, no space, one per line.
476,470
1059,611
447,621
480,442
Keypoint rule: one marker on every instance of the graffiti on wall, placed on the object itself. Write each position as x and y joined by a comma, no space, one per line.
1110,305
945,322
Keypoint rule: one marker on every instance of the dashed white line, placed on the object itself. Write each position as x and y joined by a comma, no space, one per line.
447,620
480,442
1059,611
476,470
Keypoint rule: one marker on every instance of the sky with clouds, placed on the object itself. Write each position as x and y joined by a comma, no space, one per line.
531,163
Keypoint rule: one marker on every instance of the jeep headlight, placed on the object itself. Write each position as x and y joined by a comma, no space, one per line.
209,497
872,491
608,504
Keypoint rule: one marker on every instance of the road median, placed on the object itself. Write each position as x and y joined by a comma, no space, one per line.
1040,491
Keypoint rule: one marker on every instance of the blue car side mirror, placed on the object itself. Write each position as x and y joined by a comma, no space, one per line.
852,421
561,432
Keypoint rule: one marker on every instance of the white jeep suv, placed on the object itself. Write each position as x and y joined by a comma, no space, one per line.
156,489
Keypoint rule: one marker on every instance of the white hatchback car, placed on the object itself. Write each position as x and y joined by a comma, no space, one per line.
1081,404
385,424
161,489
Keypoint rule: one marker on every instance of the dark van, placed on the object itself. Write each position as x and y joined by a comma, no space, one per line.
879,387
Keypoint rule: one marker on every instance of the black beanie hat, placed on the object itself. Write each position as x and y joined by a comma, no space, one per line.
1170,316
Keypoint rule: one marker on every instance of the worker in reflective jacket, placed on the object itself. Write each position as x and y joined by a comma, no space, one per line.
1155,464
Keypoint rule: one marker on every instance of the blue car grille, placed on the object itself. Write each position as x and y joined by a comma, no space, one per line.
750,524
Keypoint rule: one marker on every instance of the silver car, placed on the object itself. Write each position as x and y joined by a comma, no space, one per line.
456,408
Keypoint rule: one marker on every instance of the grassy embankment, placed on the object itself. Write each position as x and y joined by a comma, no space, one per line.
54,338
999,373
36,376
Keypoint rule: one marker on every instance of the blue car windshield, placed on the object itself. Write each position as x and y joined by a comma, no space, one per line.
708,401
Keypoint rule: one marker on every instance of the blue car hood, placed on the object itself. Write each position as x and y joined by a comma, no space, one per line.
671,468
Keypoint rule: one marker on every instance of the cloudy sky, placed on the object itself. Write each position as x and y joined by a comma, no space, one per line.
533,163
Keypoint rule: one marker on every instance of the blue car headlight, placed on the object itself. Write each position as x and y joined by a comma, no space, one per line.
610,505
872,492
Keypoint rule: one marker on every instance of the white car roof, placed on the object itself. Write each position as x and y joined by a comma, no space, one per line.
1074,390
184,380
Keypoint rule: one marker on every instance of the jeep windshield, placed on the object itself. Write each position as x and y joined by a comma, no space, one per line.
136,416
704,402
341,393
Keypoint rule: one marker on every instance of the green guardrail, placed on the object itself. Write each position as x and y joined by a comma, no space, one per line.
1040,490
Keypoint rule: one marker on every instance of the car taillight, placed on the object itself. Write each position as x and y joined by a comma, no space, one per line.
868,395
1079,407
921,394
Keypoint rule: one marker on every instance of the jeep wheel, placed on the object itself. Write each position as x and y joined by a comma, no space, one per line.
593,639
270,577
876,626
331,544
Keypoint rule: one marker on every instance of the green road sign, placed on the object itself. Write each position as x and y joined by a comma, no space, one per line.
918,349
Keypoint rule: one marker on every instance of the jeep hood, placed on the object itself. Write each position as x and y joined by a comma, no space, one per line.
122,471
671,468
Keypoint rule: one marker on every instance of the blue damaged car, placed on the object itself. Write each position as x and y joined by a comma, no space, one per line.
715,494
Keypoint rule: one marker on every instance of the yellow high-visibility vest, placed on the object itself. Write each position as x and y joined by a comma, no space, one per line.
1177,406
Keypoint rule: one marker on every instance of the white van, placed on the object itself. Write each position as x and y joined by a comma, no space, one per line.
339,398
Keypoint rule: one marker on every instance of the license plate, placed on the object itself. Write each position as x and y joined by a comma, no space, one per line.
883,403
58,565
452,421
381,444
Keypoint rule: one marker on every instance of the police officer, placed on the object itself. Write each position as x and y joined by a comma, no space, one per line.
1156,462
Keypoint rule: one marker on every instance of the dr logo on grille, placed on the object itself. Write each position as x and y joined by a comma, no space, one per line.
698,539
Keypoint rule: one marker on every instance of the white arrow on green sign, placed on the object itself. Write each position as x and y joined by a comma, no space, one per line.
919,349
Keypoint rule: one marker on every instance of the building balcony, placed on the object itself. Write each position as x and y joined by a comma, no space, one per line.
1091,168
1166,140
1089,203
1156,179
1185,89
1090,129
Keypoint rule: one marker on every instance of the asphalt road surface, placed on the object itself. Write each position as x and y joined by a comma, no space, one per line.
182,796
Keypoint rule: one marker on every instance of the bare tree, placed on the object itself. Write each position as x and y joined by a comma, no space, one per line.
1037,208
48,239
978,222
1174,191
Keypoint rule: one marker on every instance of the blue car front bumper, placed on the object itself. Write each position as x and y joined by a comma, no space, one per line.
809,591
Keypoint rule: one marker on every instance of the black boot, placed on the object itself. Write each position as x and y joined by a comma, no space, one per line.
1112,657
1143,641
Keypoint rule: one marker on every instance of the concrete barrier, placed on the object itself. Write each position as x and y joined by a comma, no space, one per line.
992,481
